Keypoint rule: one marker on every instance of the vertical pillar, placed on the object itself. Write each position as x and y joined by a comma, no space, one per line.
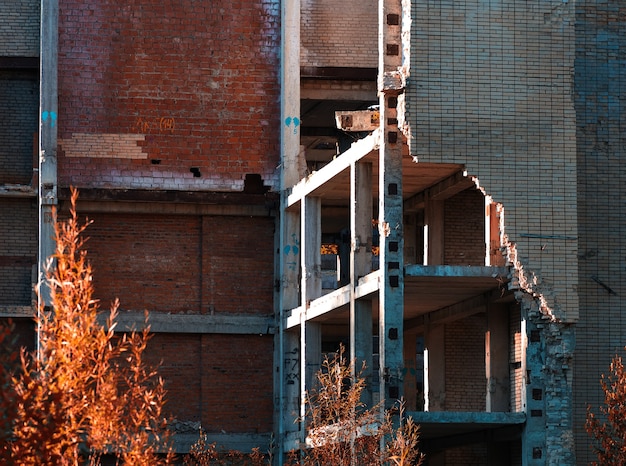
410,239
288,261
391,312
492,234
433,232
310,332
534,451
48,112
361,338
410,368
434,368
497,358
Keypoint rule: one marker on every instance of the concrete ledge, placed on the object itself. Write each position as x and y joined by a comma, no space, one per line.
195,323
340,297
224,441
442,430
18,190
17,311
357,151
455,271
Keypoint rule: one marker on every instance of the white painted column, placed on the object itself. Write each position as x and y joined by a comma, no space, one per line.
310,332
287,356
361,333
48,126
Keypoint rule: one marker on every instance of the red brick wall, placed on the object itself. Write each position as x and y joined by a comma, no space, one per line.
237,383
464,235
238,264
466,382
148,262
179,359
18,252
149,90
169,263
176,263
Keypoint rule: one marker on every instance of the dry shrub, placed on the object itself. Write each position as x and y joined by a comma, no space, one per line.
87,391
204,453
342,431
609,431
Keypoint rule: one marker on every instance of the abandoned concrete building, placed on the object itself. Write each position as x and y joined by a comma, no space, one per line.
435,184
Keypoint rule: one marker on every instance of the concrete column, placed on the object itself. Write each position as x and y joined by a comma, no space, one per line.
433,232
391,312
497,358
48,123
410,368
361,334
310,332
288,354
434,368
410,239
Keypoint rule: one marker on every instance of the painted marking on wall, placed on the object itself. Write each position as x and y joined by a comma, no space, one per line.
292,366
296,122
45,115
294,249
158,125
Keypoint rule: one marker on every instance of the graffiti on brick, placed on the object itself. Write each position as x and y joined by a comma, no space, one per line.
292,249
293,120
159,125
52,116
292,366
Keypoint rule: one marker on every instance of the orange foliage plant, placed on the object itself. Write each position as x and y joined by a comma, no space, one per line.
609,429
86,392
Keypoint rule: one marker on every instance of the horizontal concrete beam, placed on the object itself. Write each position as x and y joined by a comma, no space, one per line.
194,323
18,311
466,417
17,190
447,314
455,271
334,300
223,441
159,208
438,192
357,151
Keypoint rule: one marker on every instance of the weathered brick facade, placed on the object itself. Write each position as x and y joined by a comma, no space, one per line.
19,28
169,124
18,253
177,96
339,34
600,86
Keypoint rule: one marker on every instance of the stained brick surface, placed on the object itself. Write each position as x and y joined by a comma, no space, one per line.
19,28
600,88
465,364
339,34
491,88
18,252
19,101
464,223
194,83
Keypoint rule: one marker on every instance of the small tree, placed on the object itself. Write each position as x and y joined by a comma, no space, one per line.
609,430
87,391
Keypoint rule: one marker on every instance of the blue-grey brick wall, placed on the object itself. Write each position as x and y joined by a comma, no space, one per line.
19,28
600,95
19,102
18,250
